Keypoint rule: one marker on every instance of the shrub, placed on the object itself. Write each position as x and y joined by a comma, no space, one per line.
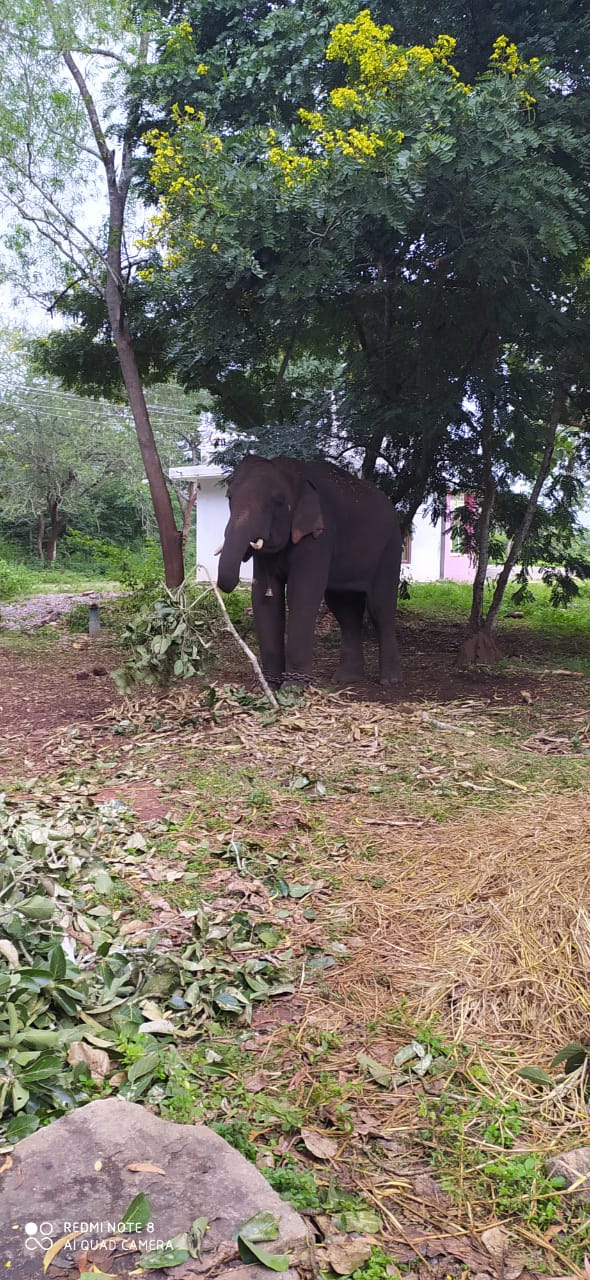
137,568
14,579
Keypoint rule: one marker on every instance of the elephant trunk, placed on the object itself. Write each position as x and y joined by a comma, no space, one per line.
234,550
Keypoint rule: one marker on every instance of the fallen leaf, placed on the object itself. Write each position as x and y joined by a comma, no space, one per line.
133,926
6,1165
497,1242
256,1082
346,1256
147,1168
363,1221
160,1258
56,1248
95,1274
320,1145
158,1027
509,782
227,1251
382,1075
427,1188
249,1251
10,953
97,1060
365,1124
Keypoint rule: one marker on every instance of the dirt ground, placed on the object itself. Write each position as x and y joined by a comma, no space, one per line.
66,681
445,825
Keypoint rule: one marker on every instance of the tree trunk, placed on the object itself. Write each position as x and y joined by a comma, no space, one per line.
115,290
170,538
476,618
484,520
57,525
520,538
479,647
40,536
372,451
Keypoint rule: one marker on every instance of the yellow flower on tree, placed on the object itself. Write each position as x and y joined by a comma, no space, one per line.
178,171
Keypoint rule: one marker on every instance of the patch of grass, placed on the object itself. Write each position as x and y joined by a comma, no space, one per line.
440,601
237,1133
473,1138
296,1185
549,628
33,644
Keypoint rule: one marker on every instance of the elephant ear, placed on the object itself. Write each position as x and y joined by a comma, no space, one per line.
307,516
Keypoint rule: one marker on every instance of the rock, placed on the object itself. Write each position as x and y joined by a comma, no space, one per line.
574,1168
76,1172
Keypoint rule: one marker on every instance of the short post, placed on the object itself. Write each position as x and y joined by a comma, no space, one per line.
93,620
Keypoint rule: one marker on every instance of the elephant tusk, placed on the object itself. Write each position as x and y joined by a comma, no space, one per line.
258,545
219,550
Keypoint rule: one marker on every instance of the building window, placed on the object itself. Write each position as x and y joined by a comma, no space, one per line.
407,549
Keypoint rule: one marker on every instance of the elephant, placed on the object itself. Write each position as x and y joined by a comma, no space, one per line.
321,533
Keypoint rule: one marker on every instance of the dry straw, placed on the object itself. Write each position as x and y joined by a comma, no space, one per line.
483,919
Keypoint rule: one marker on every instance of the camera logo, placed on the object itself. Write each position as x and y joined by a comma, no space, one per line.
38,1236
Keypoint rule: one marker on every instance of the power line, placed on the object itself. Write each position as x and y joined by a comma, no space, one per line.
106,406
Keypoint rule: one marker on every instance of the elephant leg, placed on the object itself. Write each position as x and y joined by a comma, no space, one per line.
382,605
269,620
348,608
305,593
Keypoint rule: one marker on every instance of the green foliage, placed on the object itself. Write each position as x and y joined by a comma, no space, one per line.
295,1184
14,580
168,639
379,1266
44,987
140,569
521,1188
572,1057
515,1183
63,452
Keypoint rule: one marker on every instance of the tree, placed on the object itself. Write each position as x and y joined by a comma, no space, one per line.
365,236
400,224
61,128
58,452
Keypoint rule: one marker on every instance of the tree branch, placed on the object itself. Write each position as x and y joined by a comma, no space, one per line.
42,225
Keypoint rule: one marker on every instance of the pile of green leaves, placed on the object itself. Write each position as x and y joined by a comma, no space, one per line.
79,1001
168,638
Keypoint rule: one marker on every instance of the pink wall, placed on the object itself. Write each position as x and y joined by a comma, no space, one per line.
455,565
